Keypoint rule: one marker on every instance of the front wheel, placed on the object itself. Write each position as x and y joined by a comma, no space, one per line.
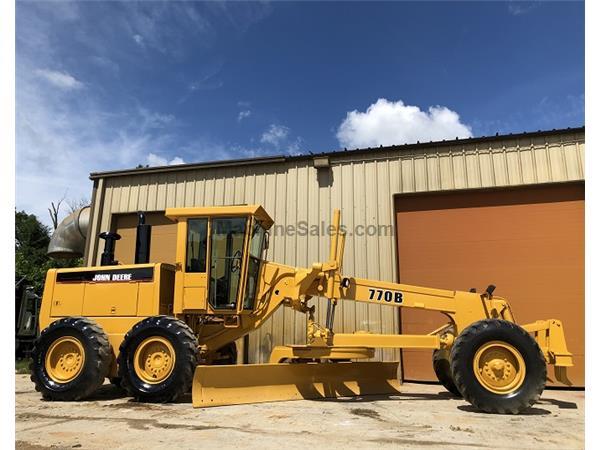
498,367
157,359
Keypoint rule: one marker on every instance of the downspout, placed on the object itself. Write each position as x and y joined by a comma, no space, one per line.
68,240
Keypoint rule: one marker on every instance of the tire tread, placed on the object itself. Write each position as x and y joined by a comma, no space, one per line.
101,354
183,332
462,345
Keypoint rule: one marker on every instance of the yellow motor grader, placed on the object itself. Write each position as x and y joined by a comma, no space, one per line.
158,329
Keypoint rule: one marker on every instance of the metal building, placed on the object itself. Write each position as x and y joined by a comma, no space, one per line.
504,210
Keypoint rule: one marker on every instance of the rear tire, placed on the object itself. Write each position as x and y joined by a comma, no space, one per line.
157,359
498,367
70,359
441,367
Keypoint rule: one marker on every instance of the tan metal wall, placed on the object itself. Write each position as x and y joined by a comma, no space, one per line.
362,185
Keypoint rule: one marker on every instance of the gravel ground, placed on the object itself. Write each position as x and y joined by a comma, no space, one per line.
424,416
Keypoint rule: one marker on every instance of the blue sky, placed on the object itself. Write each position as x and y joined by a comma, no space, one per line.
110,85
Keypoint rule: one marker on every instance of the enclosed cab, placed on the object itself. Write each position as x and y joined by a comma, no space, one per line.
219,253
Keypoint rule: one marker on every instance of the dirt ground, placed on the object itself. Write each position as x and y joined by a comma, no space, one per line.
424,416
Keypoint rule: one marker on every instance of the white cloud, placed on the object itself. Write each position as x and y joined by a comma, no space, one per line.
155,119
294,147
244,114
62,80
391,123
275,135
520,7
59,142
139,40
156,160
105,63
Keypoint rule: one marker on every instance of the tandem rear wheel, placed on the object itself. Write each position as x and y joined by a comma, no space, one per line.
498,367
441,367
70,359
157,359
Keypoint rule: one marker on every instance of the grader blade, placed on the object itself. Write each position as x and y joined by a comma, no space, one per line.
257,383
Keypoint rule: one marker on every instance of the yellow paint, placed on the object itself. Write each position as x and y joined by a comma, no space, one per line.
67,300
285,353
65,359
257,211
99,299
499,367
154,359
256,383
117,306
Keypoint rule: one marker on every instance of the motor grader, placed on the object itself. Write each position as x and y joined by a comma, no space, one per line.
157,329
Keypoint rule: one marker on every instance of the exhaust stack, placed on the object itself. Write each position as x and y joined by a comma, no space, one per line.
108,255
142,240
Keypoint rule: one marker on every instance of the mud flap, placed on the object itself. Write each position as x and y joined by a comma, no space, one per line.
257,383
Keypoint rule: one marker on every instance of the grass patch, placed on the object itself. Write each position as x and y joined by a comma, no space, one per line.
22,366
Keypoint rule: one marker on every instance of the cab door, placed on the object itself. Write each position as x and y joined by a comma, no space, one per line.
227,250
195,268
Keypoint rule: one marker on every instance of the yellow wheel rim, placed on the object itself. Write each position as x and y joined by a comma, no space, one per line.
154,360
65,359
499,367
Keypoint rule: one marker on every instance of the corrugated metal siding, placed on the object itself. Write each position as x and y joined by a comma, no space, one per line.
363,188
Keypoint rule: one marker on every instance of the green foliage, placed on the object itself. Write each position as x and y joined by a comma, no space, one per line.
22,366
31,243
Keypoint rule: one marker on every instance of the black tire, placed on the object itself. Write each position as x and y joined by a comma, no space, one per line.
97,358
441,367
185,346
462,357
115,381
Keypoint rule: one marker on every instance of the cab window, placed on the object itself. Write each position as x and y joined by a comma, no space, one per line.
256,247
196,246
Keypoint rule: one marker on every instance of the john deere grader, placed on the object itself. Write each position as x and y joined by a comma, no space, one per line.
158,329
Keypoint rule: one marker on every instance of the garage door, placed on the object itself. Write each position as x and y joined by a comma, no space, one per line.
162,244
529,242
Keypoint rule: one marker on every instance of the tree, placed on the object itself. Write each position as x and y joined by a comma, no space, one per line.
74,204
31,244
53,211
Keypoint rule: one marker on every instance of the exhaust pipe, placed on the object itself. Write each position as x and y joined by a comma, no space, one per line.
68,240
108,255
142,240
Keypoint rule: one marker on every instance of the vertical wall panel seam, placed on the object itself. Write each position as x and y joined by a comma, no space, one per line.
439,171
452,174
492,166
548,162
578,156
534,163
468,177
564,159
520,164
507,172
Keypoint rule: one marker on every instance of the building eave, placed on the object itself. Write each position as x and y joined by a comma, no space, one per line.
278,159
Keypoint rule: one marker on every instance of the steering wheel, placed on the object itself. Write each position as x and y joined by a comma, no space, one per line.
237,261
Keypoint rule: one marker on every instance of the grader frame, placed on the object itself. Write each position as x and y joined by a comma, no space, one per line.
294,287
122,300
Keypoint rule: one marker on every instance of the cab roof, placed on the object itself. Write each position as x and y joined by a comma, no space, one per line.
221,211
